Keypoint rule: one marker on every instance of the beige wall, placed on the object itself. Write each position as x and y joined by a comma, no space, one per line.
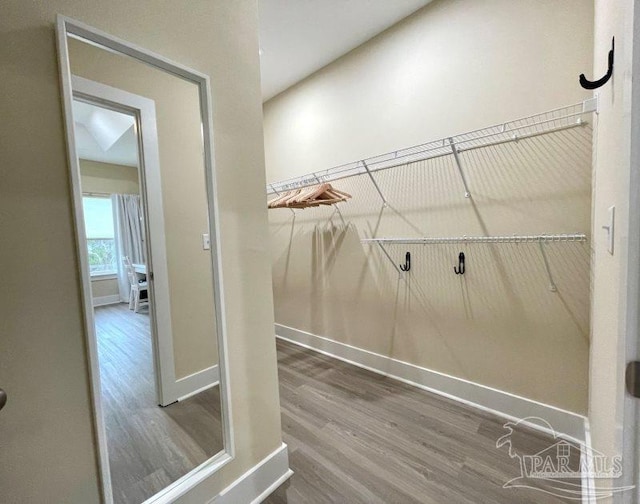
453,66
184,196
48,450
103,287
613,173
107,178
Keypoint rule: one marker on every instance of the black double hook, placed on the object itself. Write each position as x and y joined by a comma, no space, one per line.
407,262
587,84
460,269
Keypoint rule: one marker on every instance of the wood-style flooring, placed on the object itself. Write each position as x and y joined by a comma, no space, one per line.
357,437
149,446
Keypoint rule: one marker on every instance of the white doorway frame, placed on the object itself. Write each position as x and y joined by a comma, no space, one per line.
65,28
630,263
143,111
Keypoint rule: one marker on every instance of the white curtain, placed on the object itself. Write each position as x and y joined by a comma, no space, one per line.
128,223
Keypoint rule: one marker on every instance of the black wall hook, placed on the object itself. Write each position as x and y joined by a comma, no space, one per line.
407,262
587,84
460,269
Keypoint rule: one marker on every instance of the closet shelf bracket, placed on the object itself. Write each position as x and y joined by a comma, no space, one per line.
340,214
456,157
552,284
384,251
375,184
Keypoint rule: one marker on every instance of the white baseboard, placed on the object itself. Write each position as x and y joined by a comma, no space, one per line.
197,382
501,403
106,300
259,482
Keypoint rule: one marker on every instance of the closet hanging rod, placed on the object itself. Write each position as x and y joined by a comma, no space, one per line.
543,238
527,127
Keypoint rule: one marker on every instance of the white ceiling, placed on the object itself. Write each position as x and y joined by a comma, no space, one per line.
104,135
298,37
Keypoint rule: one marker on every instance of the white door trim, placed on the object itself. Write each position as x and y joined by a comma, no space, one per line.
144,111
630,264
68,27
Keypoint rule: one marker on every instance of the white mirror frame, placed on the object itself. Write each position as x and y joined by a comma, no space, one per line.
68,27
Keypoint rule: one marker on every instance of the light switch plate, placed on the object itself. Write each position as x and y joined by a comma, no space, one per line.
206,241
610,228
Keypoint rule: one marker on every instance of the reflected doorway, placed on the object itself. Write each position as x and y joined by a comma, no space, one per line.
152,440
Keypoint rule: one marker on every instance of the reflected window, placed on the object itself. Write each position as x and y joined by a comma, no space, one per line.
101,244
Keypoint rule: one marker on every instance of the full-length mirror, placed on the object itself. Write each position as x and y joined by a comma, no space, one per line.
145,210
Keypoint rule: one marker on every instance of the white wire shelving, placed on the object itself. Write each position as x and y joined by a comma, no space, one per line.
540,239
571,116
559,119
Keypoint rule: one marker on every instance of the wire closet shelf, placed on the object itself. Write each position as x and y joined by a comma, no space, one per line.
540,240
543,238
548,122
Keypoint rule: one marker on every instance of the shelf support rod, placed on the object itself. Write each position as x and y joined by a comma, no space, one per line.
454,150
340,214
375,184
552,284
384,250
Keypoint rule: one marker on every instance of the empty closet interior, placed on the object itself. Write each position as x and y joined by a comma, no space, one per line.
460,261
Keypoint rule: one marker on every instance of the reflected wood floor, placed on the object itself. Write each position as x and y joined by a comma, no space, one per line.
357,437
149,446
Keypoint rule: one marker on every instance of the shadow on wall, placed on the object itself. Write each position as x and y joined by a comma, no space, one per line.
498,324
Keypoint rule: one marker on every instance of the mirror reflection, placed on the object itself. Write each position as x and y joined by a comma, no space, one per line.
139,142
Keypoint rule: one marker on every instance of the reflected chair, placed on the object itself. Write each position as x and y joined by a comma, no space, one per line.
137,287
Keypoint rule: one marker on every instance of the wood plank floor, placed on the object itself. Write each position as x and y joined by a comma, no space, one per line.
357,437
149,446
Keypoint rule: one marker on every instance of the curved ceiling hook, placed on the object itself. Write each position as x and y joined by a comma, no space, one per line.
460,269
587,84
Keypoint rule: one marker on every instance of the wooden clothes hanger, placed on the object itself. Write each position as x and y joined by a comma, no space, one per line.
313,196
279,201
